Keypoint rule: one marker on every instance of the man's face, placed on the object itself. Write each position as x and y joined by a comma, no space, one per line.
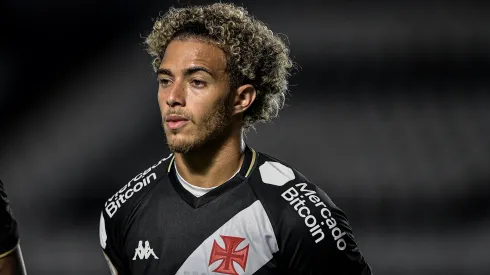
193,94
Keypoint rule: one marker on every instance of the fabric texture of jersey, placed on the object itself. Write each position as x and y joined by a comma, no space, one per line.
9,236
267,219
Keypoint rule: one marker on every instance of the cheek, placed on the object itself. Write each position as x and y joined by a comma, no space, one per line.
200,113
215,113
199,105
161,100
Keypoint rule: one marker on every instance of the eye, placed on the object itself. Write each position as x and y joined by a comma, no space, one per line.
198,83
163,81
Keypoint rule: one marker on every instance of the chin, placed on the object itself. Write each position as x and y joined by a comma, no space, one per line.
182,145
193,139
182,148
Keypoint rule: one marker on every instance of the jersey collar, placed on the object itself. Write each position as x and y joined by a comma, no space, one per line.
248,164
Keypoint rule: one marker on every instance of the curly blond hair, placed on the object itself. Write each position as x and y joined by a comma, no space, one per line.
255,55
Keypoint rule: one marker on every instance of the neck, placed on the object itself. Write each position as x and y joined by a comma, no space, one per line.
214,163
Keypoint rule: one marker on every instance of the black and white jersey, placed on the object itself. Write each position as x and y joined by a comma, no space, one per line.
9,236
267,219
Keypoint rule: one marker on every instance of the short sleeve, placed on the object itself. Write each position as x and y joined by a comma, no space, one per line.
315,236
9,235
108,242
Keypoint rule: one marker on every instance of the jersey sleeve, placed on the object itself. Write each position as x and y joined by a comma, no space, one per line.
110,243
118,215
315,235
9,235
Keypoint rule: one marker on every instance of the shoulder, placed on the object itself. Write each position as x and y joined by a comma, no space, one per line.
295,203
121,206
3,195
310,229
273,177
122,201
9,235
276,184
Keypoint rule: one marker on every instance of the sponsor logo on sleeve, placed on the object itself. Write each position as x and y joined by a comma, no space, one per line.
135,185
297,196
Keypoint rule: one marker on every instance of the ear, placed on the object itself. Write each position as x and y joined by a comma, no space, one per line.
244,97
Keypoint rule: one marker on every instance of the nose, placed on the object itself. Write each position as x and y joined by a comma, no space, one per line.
176,95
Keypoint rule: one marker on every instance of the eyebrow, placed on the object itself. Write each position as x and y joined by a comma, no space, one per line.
187,72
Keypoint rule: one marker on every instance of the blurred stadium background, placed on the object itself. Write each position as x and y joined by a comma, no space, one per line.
389,114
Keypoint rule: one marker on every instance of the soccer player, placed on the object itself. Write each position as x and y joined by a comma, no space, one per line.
11,261
215,205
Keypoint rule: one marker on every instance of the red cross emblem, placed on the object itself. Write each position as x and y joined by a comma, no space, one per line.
229,255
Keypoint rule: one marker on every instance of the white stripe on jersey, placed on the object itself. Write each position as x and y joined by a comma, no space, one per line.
102,232
254,226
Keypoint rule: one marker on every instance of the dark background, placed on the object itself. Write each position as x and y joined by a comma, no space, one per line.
389,114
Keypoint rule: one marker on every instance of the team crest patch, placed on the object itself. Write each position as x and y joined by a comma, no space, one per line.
229,255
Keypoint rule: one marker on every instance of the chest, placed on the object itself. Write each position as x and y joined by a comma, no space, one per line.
231,234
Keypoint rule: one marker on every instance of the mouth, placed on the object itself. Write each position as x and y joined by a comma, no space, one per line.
175,122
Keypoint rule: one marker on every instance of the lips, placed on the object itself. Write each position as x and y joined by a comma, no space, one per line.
175,122
175,118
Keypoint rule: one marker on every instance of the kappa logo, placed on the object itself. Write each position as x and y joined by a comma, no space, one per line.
144,252
229,254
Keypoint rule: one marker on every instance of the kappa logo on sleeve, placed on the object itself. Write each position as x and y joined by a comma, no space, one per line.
144,252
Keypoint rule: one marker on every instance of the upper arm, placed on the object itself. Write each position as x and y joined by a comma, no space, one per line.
12,263
111,251
315,236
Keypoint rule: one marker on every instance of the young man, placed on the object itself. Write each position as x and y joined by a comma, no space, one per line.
11,261
215,205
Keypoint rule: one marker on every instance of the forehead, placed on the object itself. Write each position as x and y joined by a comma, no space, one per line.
181,54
